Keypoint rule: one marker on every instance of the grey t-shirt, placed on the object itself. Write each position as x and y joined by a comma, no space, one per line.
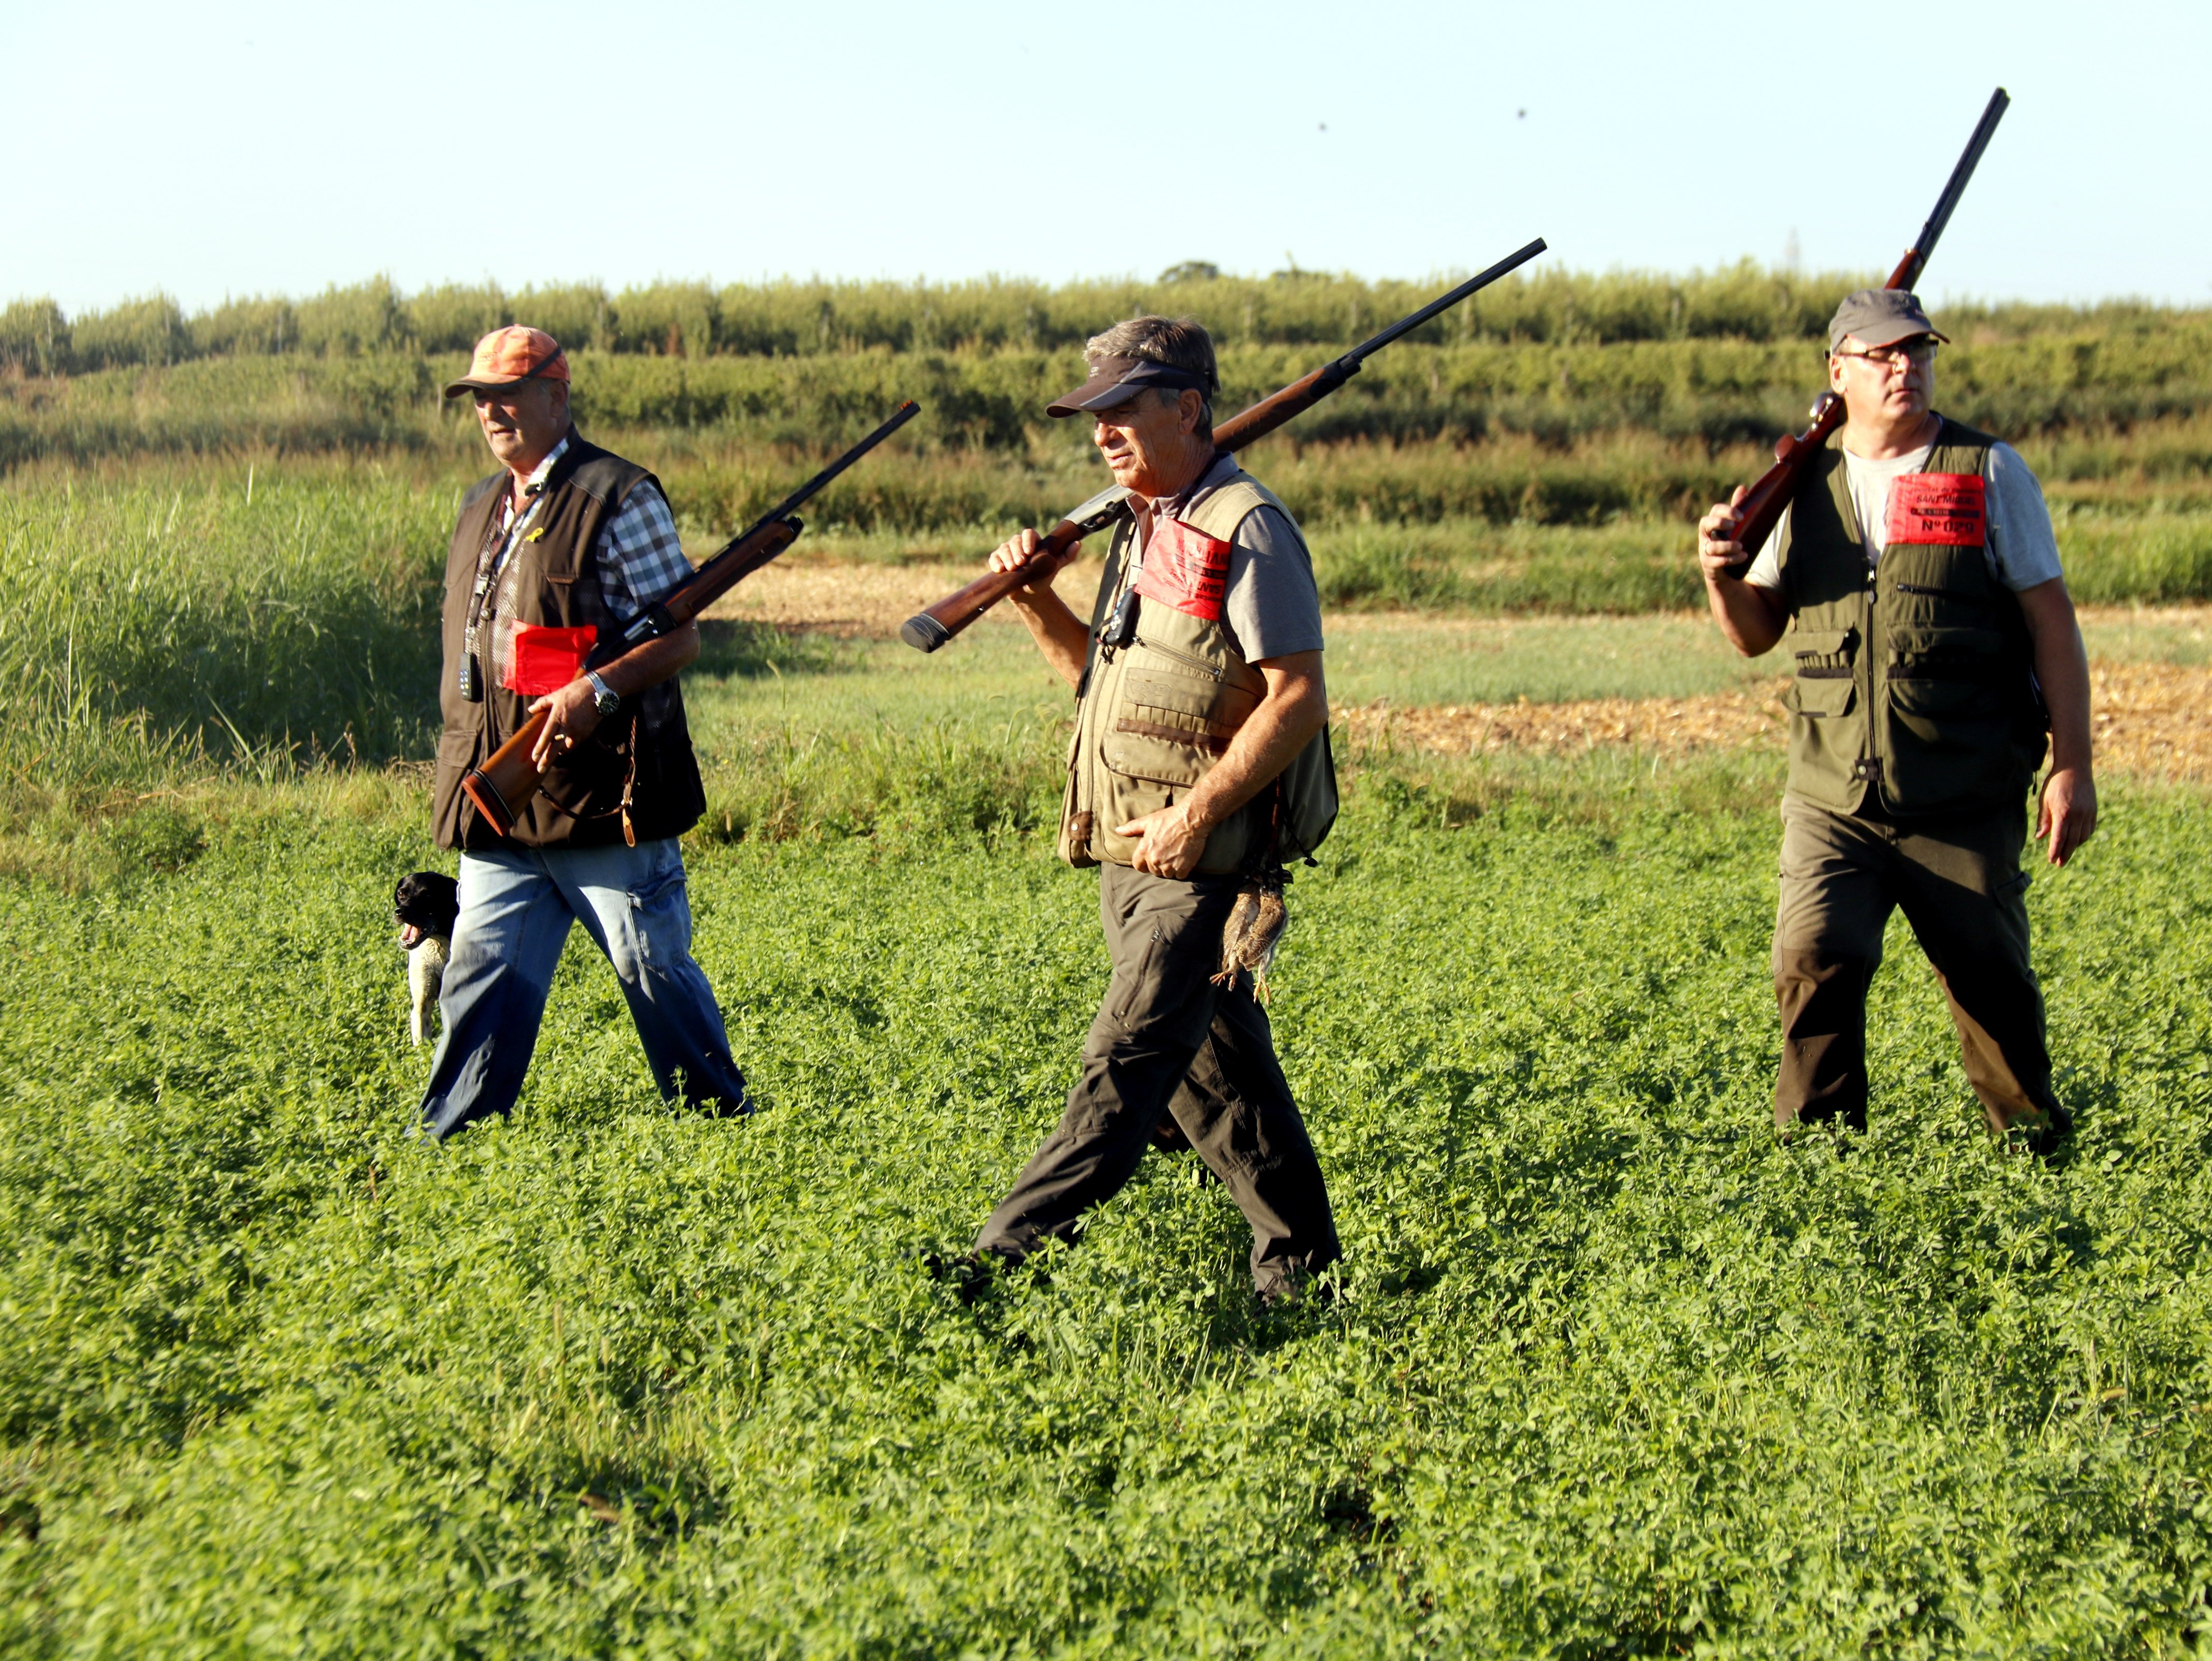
1272,607
2020,549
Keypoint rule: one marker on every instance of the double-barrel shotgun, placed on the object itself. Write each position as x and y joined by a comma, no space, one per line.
1763,502
929,629
503,786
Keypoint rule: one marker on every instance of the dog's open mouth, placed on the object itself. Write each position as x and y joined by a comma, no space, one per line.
410,935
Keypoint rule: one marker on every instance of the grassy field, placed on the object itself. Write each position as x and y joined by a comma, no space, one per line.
1611,1372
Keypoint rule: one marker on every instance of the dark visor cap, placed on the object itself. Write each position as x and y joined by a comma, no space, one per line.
1114,380
1879,318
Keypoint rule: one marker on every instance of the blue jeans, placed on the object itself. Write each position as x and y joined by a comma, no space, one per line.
516,907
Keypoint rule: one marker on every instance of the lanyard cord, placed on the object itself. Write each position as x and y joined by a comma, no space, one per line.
491,559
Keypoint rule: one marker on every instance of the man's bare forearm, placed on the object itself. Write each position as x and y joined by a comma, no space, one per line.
1268,741
2062,668
1751,617
654,662
1060,635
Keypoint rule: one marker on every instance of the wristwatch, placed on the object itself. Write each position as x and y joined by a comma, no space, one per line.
604,696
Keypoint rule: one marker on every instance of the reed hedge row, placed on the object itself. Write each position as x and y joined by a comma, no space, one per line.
793,318
1711,393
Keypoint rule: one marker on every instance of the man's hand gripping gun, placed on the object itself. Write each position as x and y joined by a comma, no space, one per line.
929,629
504,785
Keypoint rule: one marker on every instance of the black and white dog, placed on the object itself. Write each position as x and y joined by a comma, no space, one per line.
425,905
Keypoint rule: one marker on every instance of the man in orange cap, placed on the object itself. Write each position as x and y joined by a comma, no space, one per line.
565,543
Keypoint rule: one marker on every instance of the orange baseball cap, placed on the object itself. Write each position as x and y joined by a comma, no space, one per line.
507,356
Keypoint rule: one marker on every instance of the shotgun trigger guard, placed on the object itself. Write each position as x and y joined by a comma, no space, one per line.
651,623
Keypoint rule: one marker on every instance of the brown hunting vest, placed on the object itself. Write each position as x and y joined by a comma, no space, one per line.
1914,690
1153,716
550,579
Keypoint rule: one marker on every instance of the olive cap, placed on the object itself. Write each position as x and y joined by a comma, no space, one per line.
1880,317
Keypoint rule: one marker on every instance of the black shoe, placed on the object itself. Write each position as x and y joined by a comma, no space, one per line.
2045,1142
969,1274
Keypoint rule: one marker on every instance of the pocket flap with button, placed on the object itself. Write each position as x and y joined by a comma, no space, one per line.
1943,653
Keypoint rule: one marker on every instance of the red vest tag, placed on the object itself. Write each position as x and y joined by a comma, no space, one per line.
1186,569
547,659
1950,509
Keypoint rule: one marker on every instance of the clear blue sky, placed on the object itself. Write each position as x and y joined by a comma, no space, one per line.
237,149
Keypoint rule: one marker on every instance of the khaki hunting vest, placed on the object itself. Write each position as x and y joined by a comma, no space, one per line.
1152,717
1914,690
550,579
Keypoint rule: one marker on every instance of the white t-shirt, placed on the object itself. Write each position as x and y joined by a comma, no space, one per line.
2020,549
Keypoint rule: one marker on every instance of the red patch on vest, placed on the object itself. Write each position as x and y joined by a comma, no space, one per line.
547,659
1186,569
1949,509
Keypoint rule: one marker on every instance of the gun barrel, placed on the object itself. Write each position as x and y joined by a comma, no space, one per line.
799,498
1443,303
1916,258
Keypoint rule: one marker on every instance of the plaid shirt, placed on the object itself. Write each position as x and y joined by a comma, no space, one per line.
641,558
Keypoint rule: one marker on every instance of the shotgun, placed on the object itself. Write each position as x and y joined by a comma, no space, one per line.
927,630
503,786
1762,503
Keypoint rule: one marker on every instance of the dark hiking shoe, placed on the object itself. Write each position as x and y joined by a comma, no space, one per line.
970,1274
2048,1142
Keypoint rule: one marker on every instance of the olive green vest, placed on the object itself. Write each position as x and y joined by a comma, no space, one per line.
1152,717
1913,690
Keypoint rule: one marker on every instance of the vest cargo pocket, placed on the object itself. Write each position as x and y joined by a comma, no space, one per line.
1938,673
1823,684
1173,716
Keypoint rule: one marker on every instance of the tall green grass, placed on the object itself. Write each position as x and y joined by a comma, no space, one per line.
265,616
304,619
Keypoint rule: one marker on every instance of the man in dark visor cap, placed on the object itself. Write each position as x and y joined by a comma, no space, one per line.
1200,764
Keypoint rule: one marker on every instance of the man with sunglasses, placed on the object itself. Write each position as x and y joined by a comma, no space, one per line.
563,542
1934,647
1199,762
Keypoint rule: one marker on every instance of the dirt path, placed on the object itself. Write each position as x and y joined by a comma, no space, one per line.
2154,720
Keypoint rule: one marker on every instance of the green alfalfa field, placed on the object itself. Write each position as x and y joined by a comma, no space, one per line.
1610,1370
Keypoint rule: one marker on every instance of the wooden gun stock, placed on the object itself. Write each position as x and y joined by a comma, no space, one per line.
929,629
1761,508
510,777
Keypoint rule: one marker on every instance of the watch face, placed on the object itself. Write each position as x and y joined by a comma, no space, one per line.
608,703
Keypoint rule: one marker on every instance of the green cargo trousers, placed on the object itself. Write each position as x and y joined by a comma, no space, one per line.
1960,882
1169,1040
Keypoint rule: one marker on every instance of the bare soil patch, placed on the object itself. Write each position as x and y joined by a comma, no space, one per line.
2153,720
